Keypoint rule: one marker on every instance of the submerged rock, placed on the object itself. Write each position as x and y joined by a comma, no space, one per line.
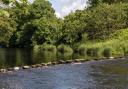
10,69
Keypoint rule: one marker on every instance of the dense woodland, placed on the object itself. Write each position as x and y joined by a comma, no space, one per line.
24,24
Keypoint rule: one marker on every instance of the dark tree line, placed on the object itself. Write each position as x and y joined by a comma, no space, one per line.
26,25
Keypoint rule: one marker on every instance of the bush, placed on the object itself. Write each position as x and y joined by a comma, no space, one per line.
64,48
107,52
82,49
45,47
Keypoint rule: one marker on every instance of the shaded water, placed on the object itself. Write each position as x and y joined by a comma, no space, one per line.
18,57
107,74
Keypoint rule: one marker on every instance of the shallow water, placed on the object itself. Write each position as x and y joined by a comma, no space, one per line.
108,74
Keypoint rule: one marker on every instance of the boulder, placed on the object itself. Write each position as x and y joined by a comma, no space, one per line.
3,70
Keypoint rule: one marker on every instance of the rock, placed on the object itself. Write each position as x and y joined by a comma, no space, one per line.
54,63
77,60
16,68
26,67
43,64
61,62
3,70
83,60
111,57
69,61
38,65
33,66
49,63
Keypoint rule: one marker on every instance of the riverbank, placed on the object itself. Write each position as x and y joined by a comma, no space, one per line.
75,61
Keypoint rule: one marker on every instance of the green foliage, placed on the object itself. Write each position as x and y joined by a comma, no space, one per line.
7,27
120,34
105,19
64,48
94,3
47,31
45,47
41,8
82,49
39,25
73,27
107,52
4,13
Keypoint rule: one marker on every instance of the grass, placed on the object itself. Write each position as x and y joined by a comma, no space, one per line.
116,46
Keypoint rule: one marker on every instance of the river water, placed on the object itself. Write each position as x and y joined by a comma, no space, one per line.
107,74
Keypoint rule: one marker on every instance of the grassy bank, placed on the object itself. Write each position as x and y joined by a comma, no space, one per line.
116,45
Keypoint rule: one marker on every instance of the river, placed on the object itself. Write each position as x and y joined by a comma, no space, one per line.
103,74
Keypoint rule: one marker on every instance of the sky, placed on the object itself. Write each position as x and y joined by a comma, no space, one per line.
64,7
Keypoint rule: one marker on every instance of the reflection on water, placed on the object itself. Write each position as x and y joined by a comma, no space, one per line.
18,57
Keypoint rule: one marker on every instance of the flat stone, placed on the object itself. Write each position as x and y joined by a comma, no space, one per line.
69,61
16,68
49,63
61,62
38,65
26,67
77,60
111,57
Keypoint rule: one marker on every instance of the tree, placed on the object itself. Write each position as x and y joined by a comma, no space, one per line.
47,31
39,18
93,3
7,27
73,27
105,19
